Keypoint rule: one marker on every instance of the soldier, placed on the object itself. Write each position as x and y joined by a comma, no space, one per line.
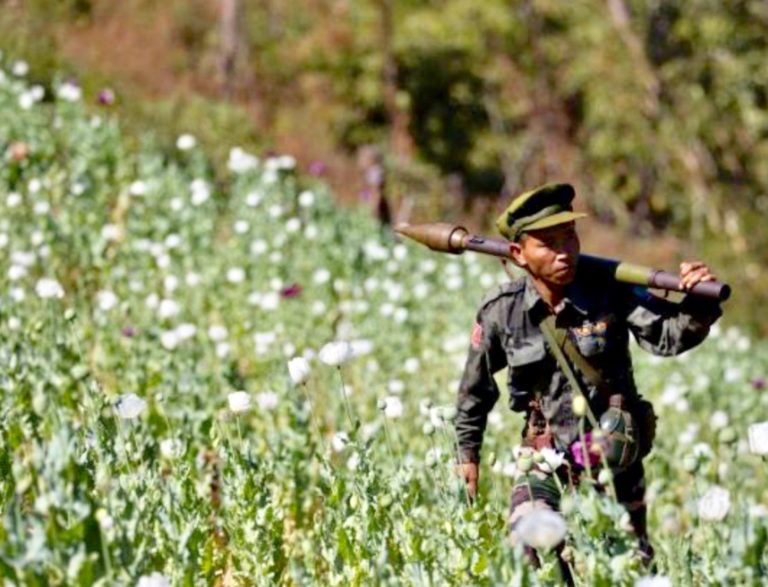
564,334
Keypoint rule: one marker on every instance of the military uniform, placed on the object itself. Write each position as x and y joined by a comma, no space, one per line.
598,314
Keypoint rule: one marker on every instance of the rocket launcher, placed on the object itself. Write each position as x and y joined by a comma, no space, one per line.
454,239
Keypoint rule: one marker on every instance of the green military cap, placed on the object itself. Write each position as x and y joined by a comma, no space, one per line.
541,207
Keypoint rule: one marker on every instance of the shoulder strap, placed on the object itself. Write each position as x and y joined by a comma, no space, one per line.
551,334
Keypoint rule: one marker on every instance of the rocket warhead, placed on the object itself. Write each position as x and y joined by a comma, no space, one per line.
438,236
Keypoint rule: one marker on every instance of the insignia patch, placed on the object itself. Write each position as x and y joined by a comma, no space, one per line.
477,336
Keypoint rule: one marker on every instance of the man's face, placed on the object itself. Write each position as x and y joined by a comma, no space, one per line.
549,254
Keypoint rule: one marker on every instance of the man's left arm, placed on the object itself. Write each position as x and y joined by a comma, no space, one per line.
667,328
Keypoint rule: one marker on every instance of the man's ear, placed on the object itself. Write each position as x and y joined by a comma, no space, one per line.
516,254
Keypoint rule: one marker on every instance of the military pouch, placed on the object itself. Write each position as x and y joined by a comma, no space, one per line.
620,439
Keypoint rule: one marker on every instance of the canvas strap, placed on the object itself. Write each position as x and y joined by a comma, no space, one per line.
557,340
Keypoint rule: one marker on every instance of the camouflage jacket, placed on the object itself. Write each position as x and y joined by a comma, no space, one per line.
598,316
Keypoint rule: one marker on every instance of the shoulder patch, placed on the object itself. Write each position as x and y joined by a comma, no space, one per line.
510,288
476,339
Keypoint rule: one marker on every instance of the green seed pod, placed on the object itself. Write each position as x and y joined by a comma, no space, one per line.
524,464
727,435
449,414
604,477
690,464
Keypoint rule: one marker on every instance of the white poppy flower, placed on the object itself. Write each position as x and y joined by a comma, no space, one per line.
433,456
553,460
201,191
267,400
47,288
217,333
239,161
186,142
130,406
541,528
171,448
353,462
111,232
714,505
186,331
168,309
361,347
106,522
70,92
192,279
41,208
393,408
718,420
259,247
241,226
306,199
292,225
654,581
269,301
13,199
411,365
239,401
339,441
106,300
16,272
153,580
26,101
420,290
253,199
758,438
170,283
335,353
298,369
396,386
138,188
169,340
321,276
20,68
286,162
235,275
400,315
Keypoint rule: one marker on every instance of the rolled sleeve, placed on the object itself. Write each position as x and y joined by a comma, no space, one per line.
668,328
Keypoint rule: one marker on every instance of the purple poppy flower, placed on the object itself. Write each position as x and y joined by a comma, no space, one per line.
291,291
582,453
317,168
758,383
128,331
106,97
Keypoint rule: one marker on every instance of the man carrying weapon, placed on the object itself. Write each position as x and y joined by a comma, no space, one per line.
563,331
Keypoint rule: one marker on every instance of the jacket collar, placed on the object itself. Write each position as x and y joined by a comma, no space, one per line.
576,297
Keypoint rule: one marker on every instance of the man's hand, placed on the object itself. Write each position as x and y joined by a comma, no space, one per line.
470,472
693,272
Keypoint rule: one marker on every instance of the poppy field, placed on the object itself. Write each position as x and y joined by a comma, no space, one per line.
233,381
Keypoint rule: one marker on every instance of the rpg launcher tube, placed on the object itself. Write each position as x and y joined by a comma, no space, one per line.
454,239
